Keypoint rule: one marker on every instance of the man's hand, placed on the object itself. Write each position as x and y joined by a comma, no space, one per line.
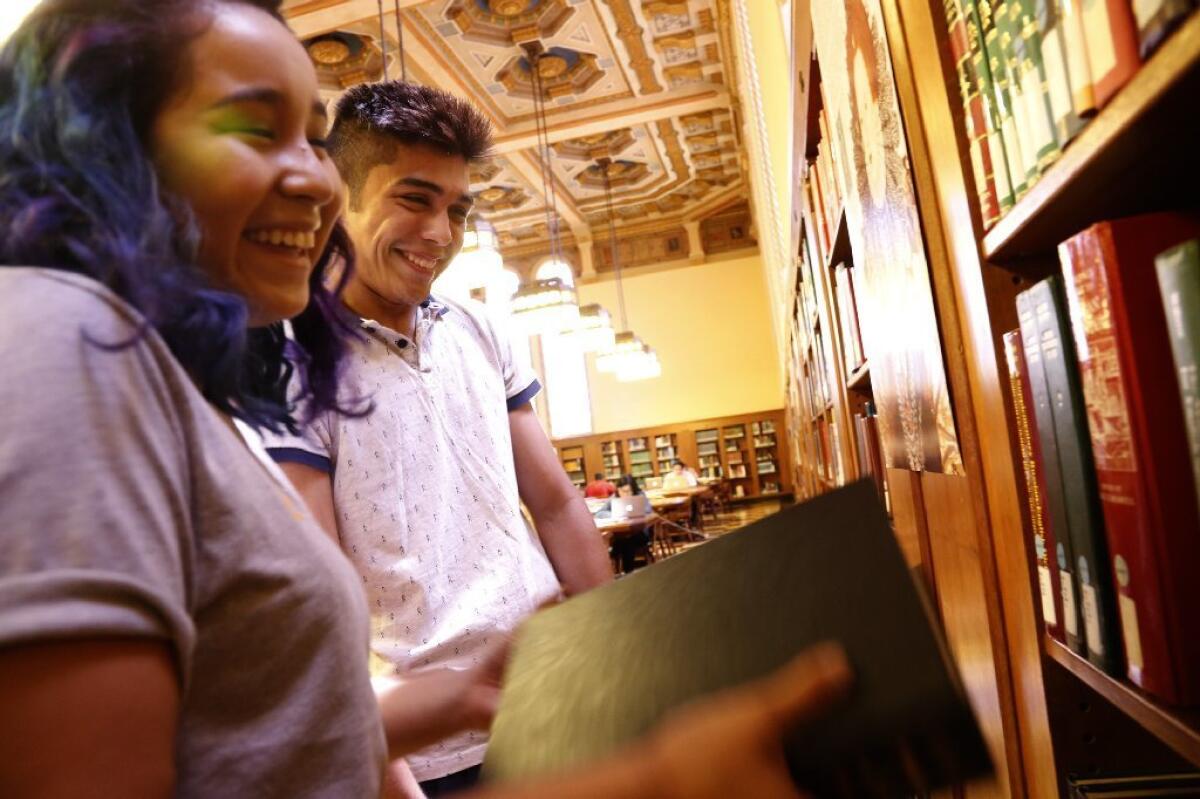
732,744
421,709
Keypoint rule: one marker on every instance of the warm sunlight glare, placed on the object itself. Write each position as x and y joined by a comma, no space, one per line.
11,14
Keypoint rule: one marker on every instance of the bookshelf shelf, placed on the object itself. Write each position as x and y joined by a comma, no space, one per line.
1179,730
1138,154
860,378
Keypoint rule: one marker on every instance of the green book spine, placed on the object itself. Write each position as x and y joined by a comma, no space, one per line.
978,61
1055,499
1085,520
1179,282
1031,67
1001,92
1002,41
1048,19
974,114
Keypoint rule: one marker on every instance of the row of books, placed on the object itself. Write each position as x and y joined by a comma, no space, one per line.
853,355
814,376
824,188
869,448
1107,403
1031,72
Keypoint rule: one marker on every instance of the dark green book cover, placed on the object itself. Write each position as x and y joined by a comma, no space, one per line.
1056,502
1179,282
601,669
1085,520
978,63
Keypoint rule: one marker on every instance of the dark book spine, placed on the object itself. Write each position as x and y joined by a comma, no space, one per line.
1063,554
1085,523
1155,19
1033,467
1179,283
1142,458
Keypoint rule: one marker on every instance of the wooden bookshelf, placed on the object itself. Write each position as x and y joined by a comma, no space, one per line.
650,452
841,243
860,379
1178,729
1138,154
1132,157
573,462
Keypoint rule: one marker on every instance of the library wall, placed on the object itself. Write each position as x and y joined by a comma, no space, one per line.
718,358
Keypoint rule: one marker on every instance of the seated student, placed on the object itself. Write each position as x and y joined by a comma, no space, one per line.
626,546
599,488
172,621
680,477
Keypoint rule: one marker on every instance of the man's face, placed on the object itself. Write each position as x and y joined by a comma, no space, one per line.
408,222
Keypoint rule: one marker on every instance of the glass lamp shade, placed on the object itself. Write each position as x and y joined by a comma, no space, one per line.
594,332
477,264
544,306
639,366
626,346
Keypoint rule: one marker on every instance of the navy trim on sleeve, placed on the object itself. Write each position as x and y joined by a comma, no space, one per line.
301,456
524,396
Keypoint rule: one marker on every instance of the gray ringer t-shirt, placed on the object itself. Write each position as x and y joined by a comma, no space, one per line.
129,507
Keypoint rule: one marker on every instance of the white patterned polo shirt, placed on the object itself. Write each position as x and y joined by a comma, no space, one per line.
425,492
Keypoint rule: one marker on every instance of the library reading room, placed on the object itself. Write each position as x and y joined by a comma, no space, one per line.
600,399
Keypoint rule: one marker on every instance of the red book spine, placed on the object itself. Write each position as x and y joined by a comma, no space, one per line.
1141,455
1048,582
1112,44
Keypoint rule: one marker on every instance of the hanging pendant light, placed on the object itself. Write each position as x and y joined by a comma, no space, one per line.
594,332
641,365
625,349
628,358
545,306
476,265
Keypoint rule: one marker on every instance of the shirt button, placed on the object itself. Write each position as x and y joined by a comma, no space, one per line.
401,343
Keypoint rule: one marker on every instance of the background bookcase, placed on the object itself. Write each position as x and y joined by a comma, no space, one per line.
1045,712
572,461
716,448
612,459
708,453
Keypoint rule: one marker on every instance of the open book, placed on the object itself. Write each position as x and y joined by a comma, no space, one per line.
599,670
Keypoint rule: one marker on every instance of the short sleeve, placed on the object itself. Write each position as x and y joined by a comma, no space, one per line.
520,381
95,522
311,446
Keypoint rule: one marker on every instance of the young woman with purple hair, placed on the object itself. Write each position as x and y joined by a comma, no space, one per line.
171,620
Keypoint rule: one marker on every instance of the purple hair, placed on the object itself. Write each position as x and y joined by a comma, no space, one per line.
80,84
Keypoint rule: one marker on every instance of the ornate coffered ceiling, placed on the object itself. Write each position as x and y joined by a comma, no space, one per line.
645,83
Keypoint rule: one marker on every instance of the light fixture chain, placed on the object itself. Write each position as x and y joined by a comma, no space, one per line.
400,42
382,39
612,240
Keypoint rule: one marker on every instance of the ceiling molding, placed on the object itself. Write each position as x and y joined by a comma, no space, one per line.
616,113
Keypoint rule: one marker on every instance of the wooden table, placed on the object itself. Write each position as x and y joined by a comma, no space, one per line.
616,527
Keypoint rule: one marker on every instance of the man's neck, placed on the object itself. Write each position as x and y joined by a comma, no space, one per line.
401,317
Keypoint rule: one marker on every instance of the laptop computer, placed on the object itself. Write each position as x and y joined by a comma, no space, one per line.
634,507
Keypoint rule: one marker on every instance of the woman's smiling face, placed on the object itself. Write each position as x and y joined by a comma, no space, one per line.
242,142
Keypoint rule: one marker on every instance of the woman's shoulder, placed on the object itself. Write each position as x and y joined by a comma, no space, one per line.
57,324
41,306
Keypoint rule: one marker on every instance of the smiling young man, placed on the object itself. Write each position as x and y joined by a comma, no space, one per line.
425,493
